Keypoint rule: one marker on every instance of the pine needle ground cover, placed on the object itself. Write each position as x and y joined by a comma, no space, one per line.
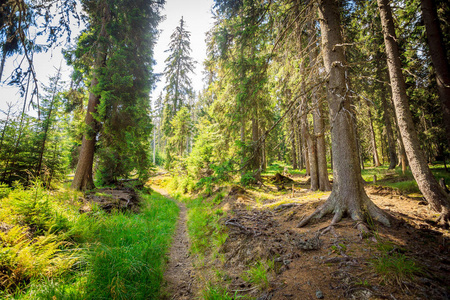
58,253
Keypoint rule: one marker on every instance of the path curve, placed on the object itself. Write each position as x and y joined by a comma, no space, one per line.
178,280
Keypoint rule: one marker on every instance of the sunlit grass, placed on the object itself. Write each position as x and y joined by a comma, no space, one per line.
51,251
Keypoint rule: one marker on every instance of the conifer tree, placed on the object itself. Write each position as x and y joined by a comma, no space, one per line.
121,37
179,65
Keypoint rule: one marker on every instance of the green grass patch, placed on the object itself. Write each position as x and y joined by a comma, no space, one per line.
395,268
217,292
204,228
128,260
51,251
258,274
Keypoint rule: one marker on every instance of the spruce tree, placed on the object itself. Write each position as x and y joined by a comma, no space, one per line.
179,65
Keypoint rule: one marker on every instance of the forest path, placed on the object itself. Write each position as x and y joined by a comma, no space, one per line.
179,275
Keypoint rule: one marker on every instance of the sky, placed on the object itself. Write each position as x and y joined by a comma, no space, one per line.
198,19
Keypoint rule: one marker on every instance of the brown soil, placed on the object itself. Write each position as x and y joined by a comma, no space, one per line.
179,275
310,263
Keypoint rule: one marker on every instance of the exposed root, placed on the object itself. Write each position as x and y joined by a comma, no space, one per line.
324,209
359,212
444,219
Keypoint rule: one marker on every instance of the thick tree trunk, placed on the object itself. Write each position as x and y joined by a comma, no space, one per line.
348,194
439,58
428,185
83,179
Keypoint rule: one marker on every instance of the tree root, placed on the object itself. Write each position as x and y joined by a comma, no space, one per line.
444,218
363,212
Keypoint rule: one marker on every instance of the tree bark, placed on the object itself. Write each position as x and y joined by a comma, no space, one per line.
438,58
428,185
311,148
348,194
83,179
376,159
388,126
318,119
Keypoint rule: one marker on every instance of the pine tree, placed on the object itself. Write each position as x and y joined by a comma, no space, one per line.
179,65
121,36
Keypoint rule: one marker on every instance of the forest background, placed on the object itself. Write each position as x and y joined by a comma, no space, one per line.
322,87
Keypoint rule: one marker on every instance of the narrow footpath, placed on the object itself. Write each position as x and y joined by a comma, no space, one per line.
178,280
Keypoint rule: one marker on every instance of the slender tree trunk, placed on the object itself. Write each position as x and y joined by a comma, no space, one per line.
376,159
318,123
311,148
439,59
348,194
83,178
389,132
293,144
428,185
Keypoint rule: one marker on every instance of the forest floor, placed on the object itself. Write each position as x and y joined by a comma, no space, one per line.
265,255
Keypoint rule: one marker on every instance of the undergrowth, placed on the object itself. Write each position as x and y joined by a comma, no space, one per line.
48,250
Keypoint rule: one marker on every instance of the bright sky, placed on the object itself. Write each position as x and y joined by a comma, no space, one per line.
198,18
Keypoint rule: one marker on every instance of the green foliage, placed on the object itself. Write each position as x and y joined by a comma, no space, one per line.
248,179
258,274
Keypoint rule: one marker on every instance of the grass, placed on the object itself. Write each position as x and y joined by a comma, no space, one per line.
404,183
205,231
128,260
395,268
51,251
258,274
217,292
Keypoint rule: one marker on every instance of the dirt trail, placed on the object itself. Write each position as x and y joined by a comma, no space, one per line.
179,275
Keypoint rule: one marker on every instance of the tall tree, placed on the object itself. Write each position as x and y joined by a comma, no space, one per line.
348,194
83,179
439,58
428,185
179,65
121,36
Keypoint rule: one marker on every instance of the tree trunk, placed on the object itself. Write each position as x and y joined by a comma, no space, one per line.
83,179
311,148
439,59
389,132
293,144
376,159
318,123
428,185
348,194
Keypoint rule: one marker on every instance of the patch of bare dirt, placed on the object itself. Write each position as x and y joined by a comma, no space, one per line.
179,275
338,264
